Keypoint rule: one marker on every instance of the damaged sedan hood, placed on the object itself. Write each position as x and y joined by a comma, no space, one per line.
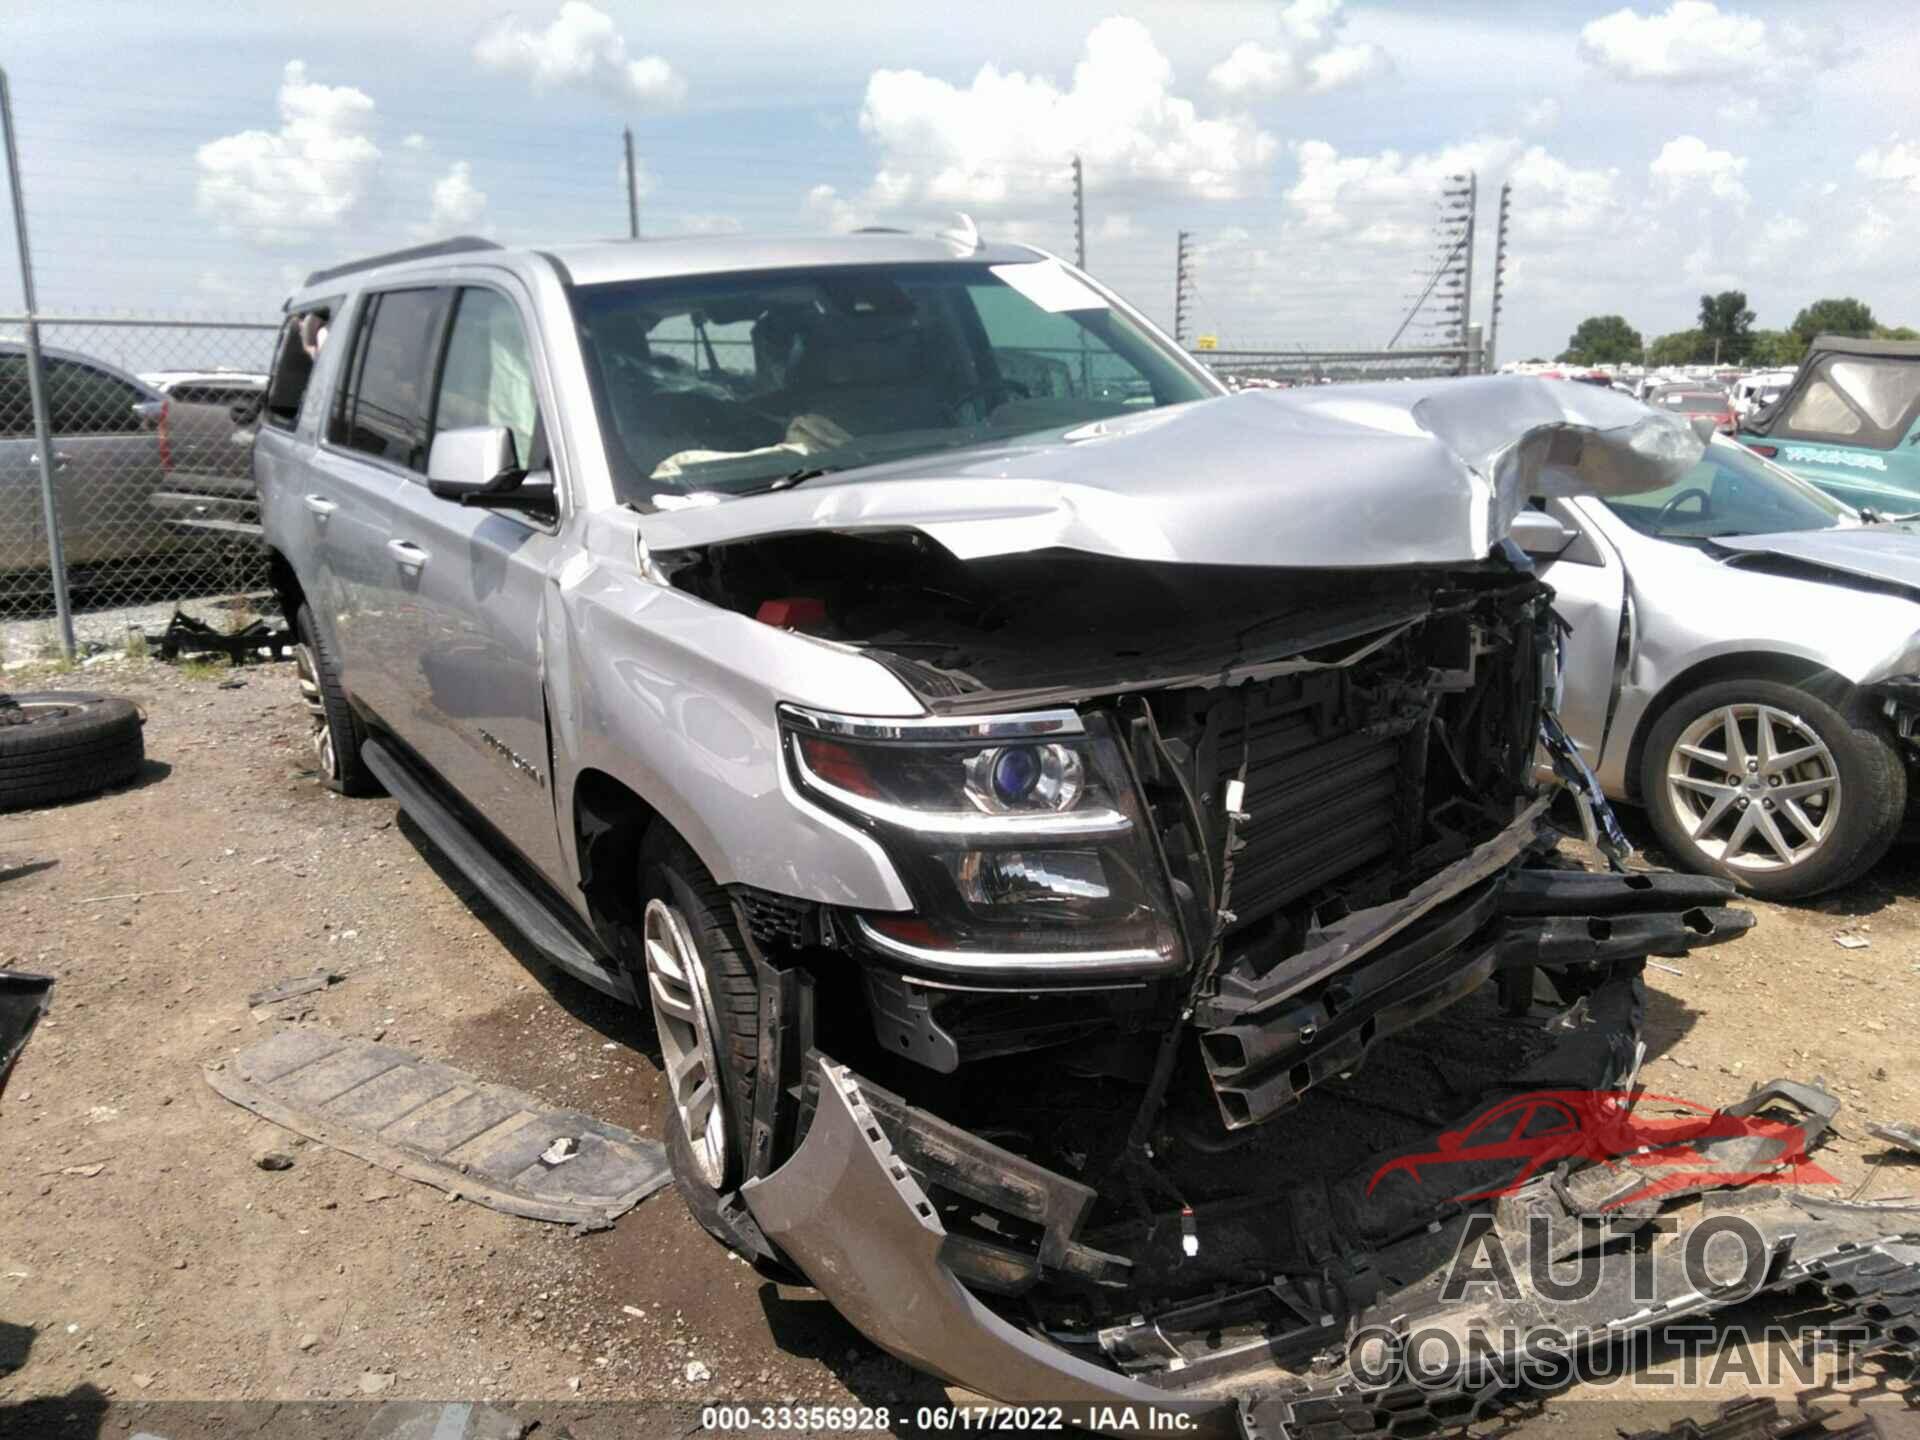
1341,476
1888,555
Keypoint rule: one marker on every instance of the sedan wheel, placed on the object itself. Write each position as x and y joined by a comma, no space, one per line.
684,1020
1786,789
319,729
1755,787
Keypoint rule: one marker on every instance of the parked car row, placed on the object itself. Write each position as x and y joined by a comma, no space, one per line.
141,462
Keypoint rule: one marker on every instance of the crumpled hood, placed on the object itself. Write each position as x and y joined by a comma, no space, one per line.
1334,477
1884,553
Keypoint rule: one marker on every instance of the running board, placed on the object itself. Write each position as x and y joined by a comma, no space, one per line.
532,916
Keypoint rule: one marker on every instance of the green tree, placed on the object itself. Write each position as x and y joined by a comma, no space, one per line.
1895,332
1602,340
1776,347
1683,347
1726,319
1844,316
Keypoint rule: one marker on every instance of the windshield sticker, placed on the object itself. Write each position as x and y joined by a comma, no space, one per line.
1047,284
1831,457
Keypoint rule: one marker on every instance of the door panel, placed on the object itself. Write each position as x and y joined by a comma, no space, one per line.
466,589
1590,598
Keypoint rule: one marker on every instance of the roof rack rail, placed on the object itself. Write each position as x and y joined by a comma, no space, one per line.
458,245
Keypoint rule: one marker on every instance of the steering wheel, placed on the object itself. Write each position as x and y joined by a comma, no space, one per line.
985,392
1692,492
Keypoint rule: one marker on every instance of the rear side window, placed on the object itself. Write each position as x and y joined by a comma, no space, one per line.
294,356
16,399
382,409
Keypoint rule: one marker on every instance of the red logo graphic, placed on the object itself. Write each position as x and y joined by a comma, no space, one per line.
1693,1149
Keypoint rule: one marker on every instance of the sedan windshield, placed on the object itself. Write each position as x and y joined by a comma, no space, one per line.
1694,402
744,382
1732,491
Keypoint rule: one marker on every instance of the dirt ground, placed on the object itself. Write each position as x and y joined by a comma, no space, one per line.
145,1257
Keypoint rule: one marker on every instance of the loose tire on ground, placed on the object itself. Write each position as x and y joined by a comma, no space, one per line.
61,745
1865,759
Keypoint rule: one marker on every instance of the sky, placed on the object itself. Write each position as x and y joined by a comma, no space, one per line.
198,160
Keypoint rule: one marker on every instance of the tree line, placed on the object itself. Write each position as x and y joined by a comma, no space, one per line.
1724,335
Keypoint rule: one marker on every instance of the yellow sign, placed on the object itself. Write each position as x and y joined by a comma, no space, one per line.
1206,342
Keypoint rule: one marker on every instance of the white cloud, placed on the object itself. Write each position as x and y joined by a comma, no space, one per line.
1308,60
1689,40
1541,114
1688,165
1896,163
581,49
1554,200
1741,111
415,141
457,202
277,187
1385,198
1009,137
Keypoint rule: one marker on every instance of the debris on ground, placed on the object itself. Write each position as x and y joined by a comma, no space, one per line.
1851,942
697,1372
273,1160
1903,1137
442,1127
299,985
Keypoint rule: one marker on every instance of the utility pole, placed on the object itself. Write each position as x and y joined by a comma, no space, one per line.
36,382
1181,280
1079,214
1499,274
633,189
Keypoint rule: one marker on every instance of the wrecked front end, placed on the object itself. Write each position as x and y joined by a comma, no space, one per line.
1228,882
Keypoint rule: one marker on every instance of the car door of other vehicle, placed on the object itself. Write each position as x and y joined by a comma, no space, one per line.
1850,424
465,596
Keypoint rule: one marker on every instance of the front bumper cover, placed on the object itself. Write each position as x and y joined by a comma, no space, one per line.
848,1209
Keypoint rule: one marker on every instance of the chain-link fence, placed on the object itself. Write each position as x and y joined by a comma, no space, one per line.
151,427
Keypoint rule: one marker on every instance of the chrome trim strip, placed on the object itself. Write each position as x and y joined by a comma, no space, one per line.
937,727
966,824
1038,965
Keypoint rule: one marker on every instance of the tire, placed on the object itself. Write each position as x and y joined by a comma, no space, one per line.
706,1011
61,745
1852,787
334,731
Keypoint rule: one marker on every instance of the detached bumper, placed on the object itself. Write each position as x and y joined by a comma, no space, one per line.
1268,1038
850,1212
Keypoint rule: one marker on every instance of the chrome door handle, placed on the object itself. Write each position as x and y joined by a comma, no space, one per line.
410,555
321,506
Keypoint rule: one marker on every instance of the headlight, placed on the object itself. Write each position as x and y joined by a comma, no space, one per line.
1019,837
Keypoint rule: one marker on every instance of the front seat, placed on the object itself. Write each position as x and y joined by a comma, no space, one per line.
869,375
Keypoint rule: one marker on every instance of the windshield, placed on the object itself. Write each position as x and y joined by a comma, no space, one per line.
741,382
1731,491
1694,402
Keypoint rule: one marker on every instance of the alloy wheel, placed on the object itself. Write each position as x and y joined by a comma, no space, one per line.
320,728
683,1017
1755,787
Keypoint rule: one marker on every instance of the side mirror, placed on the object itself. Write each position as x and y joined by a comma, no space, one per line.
479,465
1541,535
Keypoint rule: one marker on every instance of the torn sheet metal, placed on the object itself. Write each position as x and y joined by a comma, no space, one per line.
1425,473
434,1124
1902,1137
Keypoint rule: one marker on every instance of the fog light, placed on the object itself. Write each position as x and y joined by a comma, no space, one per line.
1026,877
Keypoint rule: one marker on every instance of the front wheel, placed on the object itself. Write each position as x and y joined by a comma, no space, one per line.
1786,790
706,1013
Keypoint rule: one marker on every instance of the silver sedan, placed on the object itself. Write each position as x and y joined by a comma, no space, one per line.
1743,662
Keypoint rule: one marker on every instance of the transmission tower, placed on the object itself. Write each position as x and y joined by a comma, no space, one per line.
1445,304
1499,274
1182,284
1079,214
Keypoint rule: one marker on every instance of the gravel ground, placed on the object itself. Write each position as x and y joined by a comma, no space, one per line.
144,1256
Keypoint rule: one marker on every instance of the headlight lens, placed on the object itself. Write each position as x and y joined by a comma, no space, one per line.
1015,835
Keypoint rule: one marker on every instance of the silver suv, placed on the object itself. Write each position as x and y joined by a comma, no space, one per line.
1011,770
